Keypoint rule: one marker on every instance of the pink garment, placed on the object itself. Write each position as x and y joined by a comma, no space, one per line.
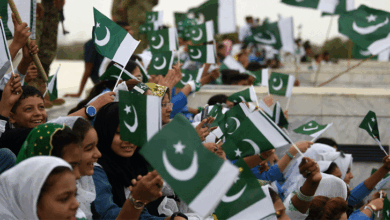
228,44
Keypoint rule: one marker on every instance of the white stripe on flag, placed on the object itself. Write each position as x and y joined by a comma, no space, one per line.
125,50
286,31
277,113
264,77
265,107
328,6
208,199
210,54
199,76
210,30
269,129
318,133
172,39
259,210
379,45
217,132
5,57
350,5
384,55
171,61
245,109
153,112
160,21
226,16
252,94
233,64
126,72
290,85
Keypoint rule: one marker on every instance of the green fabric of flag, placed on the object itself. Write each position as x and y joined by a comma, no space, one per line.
216,112
111,40
246,199
5,57
370,124
184,28
312,128
343,6
246,95
154,17
367,27
279,117
232,119
386,209
328,6
113,73
281,84
196,175
188,75
256,134
261,77
361,53
139,117
202,54
162,40
52,88
161,63
147,28
202,33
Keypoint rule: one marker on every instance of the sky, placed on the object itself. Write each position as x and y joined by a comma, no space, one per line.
79,16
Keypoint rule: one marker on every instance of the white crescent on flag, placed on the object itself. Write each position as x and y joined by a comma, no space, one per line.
105,40
182,175
227,199
369,29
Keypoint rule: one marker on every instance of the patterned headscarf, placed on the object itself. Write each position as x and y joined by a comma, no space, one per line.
157,90
39,141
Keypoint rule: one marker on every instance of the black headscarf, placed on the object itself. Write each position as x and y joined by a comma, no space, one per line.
120,170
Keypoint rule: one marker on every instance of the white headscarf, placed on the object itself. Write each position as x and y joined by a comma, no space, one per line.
67,120
21,185
86,194
343,161
324,165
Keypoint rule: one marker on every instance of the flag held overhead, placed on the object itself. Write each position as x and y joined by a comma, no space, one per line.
281,84
370,124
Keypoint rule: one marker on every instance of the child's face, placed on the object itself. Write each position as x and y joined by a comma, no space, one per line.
30,113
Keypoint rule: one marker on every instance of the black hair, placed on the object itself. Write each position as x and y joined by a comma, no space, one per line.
220,98
220,46
63,138
332,167
325,53
81,127
247,18
232,76
49,180
274,195
135,57
328,141
122,23
28,91
316,56
130,66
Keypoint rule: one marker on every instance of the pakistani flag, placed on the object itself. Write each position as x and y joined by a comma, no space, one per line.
52,86
256,134
246,95
386,209
114,72
202,33
367,27
188,75
111,40
312,128
154,17
179,18
221,12
26,9
265,108
161,63
202,54
281,84
361,53
184,28
232,119
5,57
147,28
196,175
261,77
342,7
139,117
328,6
163,40
246,199
279,117
217,113
229,63
370,124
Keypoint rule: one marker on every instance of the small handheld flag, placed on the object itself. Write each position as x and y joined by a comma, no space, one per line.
52,86
281,84
203,54
161,63
5,57
163,40
313,129
246,95
370,124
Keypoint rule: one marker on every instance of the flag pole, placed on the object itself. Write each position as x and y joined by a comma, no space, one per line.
288,103
381,198
380,145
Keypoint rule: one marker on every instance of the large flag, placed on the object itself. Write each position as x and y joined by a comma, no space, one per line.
232,119
367,27
163,40
246,199
5,57
161,63
196,175
202,33
52,88
229,63
256,134
203,54
343,7
312,128
222,12
113,73
26,9
279,35
281,84
279,117
261,77
154,17
139,117
361,53
246,95
370,124
328,6
386,209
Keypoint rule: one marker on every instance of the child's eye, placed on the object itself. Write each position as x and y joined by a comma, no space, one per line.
28,109
42,107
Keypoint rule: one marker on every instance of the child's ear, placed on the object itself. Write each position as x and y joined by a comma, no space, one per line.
12,118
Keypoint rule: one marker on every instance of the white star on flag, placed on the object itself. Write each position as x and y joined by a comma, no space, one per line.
97,24
127,109
371,18
238,152
153,38
235,181
179,147
373,119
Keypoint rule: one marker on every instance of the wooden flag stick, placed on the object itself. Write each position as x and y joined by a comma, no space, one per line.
120,75
322,51
35,57
381,192
299,151
380,145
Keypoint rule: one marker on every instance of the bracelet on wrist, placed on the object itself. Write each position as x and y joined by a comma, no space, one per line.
302,197
290,155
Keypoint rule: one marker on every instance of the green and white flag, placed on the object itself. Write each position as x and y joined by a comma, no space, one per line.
261,77
202,54
145,76
139,117
5,57
114,71
342,7
328,6
161,63
229,63
154,17
312,128
188,75
370,124
216,111
256,134
52,88
279,117
27,11
265,108
246,95
367,27
111,40
222,12
281,84
361,53
246,199
196,175
386,209
202,33
232,119
163,40
184,28
147,28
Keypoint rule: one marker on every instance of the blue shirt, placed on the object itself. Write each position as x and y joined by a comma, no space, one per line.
358,194
104,204
358,215
92,56
179,101
273,174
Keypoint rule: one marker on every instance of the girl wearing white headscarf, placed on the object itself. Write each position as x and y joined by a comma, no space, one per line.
24,190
